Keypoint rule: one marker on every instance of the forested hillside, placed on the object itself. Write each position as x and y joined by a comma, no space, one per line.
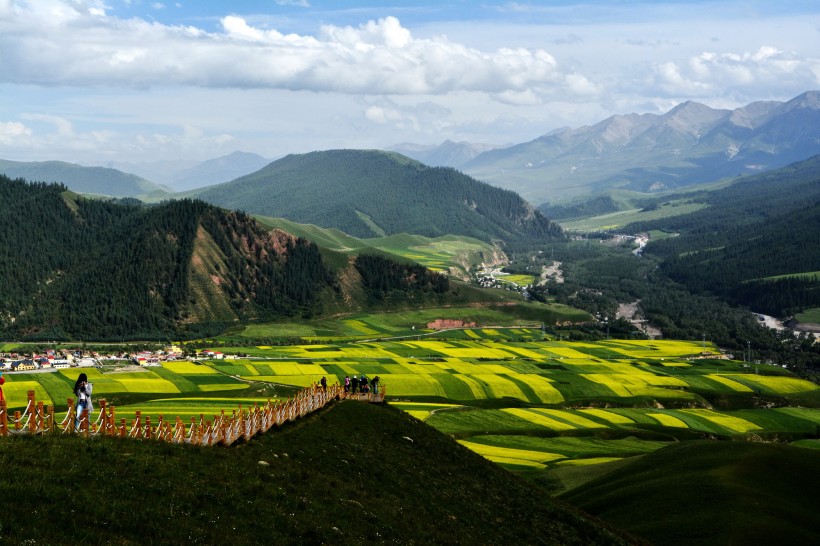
75,268
374,193
756,243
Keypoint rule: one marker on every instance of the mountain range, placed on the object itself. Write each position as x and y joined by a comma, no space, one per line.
184,175
446,154
690,144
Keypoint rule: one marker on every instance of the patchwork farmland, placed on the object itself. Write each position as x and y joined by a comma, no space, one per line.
536,407
530,406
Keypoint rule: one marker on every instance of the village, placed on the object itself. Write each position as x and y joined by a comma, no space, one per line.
55,359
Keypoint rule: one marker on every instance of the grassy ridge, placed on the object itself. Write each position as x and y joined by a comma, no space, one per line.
712,493
350,474
439,253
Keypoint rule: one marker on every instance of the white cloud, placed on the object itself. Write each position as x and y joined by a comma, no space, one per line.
62,43
12,132
766,68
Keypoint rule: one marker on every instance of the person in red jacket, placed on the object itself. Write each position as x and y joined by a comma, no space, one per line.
2,380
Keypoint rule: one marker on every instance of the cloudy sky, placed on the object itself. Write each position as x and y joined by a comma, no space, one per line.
93,81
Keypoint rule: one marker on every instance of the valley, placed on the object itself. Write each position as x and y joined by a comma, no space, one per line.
569,347
410,273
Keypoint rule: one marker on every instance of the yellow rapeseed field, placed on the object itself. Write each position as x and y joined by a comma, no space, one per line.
577,420
668,420
500,386
16,393
511,455
542,386
727,421
614,418
475,387
183,367
734,385
538,418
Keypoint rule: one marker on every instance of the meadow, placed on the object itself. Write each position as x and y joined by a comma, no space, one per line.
811,316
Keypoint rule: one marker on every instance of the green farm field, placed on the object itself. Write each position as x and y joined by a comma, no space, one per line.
615,220
413,322
538,407
544,408
182,389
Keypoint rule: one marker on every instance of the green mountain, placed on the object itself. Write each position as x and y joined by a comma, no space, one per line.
81,268
374,193
753,242
707,492
87,180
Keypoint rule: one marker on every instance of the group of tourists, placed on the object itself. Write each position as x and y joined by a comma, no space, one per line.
361,385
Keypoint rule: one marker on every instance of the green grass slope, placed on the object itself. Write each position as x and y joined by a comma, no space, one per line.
454,253
712,493
351,474
369,193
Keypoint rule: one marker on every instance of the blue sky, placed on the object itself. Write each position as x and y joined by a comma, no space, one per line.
98,81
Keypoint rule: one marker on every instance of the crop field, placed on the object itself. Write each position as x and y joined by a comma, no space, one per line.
532,406
413,322
535,405
184,380
518,280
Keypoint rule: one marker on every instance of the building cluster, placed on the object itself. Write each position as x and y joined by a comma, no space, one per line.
64,358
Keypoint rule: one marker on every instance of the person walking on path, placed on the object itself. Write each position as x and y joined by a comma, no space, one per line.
347,383
82,390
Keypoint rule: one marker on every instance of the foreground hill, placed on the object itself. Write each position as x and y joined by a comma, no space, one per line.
352,474
712,493
690,144
373,194
89,180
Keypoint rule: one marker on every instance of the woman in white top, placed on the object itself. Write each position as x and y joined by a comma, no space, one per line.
82,390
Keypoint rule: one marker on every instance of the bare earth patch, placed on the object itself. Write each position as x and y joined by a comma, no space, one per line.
552,272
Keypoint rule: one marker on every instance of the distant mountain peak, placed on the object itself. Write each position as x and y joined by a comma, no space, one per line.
691,143
809,100
447,154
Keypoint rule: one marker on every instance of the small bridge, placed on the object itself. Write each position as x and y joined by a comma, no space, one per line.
223,429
